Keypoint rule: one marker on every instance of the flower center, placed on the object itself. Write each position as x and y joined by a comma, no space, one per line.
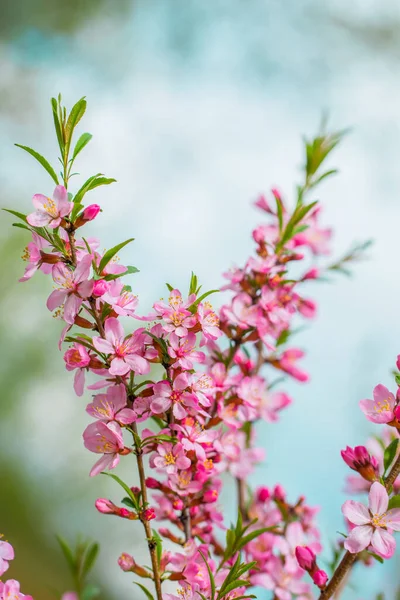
51,208
169,459
177,318
378,520
382,406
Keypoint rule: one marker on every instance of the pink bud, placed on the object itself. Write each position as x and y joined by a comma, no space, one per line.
178,504
279,493
398,362
91,212
100,287
320,578
106,506
263,494
210,496
124,513
135,490
149,514
152,483
305,557
397,412
311,274
126,562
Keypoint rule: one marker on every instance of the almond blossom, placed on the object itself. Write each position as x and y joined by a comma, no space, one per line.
381,408
104,439
50,211
373,524
74,288
6,554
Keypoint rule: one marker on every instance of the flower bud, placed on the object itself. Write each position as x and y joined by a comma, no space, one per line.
152,483
149,514
210,496
126,562
88,214
305,557
263,494
360,460
178,504
100,287
106,507
320,578
279,493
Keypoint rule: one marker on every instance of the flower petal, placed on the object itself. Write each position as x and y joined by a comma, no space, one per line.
38,218
383,543
118,367
55,299
356,512
378,499
114,330
103,345
359,538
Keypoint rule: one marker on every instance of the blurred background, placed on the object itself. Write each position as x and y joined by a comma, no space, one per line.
196,107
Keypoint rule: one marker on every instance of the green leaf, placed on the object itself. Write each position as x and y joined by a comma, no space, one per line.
57,125
21,226
81,143
195,304
128,502
378,558
210,575
129,271
76,114
390,454
394,501
158,542
124,486
90,558
145,590
16,214
66,550
111,253
90,184
42,161
90,591
251,536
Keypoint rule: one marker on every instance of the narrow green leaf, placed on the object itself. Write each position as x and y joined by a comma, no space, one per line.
158,542
129,271
66,550
91,591
42,161
111,253
90,559
81,143
210,575
390,454
76,114
123,485
145,590
16,214
57,125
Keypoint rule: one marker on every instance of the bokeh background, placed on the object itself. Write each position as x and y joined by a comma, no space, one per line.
196,106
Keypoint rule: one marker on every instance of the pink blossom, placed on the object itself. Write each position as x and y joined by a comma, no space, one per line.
10,590
182,349
175,314
169,458
112,406
360,460
166,396
35,257
125,351
104,439
50,211
123,302
194,437
288,363
126,562
381,408
209,321
70,596
77,358
6,554
277,578
74,288
372,524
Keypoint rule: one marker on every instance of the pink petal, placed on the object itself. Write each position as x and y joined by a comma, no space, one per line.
55,299
39,201
126,416
378,499
382,394
29,271
102,345
118,367
393,519
38,219
54,223
138,364
105,462
85,288
356,512
359,538
82,271
369,409
60,194
114,330
71,308
383,543
160,405
79,382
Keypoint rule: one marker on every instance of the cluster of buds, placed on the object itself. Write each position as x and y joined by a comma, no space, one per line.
308,561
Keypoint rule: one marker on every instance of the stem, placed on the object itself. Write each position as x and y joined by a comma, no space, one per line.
149,535
186,522
349,559
241,492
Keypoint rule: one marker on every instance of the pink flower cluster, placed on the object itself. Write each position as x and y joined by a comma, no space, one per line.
10,589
